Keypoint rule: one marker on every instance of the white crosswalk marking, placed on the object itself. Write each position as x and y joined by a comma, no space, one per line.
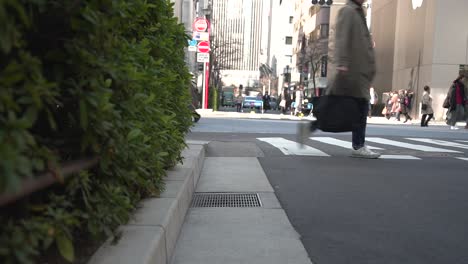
463,159
337,142
440,142
463,141
406,157
408,145
292,148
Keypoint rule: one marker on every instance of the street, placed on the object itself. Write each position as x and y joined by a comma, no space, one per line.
409,206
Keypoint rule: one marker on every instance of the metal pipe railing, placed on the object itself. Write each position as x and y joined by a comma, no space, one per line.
29,186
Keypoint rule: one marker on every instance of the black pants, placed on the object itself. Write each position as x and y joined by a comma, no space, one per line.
425,122
407,116
359,131
238,107
371,109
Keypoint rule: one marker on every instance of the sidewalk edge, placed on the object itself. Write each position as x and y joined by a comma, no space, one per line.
151,235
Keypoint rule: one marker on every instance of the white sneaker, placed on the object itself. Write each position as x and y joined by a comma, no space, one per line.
303,132
364,153
454,128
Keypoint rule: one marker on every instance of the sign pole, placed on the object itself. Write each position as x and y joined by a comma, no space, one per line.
203,87
207,83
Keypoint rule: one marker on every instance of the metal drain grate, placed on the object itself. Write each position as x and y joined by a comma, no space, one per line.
226,200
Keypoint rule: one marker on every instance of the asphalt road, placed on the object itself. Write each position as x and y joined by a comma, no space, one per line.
410,207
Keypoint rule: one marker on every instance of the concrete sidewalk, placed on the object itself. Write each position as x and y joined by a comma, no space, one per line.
167,229
375,120
233,234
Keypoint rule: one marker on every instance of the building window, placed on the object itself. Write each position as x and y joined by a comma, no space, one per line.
291,19
288,40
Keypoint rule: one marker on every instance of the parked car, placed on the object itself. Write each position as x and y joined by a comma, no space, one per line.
252,102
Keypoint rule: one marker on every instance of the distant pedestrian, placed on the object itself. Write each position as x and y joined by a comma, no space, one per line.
456,102
405,104
355,65
266,101
298,100
374,98
239,100
426,107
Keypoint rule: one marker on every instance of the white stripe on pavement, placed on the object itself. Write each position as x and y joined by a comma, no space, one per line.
408,145
403,157
463,159
463,141
440,142
337,142
292,148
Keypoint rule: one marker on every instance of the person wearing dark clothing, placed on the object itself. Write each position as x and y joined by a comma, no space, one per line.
266,102
356,68
405,103
456,99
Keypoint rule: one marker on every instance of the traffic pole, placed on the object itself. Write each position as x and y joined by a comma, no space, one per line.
204,106
207,82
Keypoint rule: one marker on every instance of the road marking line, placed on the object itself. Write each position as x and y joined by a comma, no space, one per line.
462,158
408,145
337,142
440,142
463,141
402,157
293,148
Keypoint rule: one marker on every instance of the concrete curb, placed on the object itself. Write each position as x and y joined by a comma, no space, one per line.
151,235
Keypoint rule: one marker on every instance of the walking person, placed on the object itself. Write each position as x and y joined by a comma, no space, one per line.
355,65
374,98
266,102
404,106
426,107
239,100
298,100
456,102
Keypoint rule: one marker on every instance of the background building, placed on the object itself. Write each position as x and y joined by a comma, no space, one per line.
281,44
240,39
417,43
313,43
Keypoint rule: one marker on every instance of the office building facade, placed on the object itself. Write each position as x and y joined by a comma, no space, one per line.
418,43
239,35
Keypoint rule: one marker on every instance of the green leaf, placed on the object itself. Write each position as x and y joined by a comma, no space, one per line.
65,247
83,114
134,133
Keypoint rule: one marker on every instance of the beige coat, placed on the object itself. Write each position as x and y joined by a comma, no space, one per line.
354,50
427,99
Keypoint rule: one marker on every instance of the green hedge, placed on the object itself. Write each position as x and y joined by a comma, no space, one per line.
78,79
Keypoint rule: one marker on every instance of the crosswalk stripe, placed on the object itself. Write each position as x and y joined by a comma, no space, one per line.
408,145
337,142
440,142
405,157
463,141
293,148
462,158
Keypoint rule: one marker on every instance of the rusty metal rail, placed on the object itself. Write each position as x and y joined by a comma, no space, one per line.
29,186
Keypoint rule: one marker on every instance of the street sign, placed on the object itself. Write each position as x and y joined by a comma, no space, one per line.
201,36
203,57
200,25
192,48
204,47
193,42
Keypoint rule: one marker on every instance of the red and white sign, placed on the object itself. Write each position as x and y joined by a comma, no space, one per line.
204,47
200,25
